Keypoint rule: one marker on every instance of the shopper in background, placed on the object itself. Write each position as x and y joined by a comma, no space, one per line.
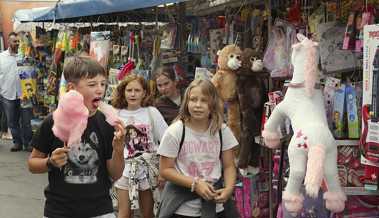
169,101
10,92
195,155
144,129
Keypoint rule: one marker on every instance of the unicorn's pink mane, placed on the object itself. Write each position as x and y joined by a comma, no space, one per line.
308,50
310,71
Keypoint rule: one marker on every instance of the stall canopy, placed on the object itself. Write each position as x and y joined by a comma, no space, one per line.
69,9
26,15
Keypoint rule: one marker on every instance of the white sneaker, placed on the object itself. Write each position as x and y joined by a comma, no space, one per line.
6,136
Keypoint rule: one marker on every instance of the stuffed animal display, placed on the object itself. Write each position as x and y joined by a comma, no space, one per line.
312,150
251,92
70,118
225,81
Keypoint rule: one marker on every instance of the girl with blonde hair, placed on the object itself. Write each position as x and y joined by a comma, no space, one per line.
195,155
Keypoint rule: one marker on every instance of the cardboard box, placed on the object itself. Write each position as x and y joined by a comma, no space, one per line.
371,42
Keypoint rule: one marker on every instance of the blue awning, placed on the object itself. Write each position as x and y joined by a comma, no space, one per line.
27,15
68,9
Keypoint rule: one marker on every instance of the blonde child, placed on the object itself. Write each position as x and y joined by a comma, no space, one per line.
195,153
144,128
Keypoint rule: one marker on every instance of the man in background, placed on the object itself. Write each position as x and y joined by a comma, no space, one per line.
10,92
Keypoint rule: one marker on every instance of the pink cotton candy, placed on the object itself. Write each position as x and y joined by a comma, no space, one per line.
109,112
70,118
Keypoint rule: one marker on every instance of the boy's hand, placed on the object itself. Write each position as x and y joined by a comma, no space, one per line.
59,157
222,195
205,190
119,136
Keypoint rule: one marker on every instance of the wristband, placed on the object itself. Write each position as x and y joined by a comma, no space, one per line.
193,185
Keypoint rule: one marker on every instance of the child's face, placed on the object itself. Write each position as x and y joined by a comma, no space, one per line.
92,90
198,105
134,93
166,86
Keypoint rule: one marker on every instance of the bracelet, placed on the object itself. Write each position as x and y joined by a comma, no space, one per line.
193,185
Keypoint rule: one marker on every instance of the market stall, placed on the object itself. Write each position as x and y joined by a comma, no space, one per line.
264,30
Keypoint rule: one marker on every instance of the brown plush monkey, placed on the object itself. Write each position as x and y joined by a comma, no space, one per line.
225,79
252,95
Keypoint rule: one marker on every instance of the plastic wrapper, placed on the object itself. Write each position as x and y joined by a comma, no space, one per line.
278,52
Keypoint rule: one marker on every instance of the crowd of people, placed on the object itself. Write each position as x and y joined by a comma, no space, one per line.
171,156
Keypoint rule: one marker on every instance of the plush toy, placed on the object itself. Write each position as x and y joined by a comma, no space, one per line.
251,96
312,150
70,118
225,79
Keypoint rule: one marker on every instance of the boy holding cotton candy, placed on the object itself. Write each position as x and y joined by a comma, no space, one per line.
80,147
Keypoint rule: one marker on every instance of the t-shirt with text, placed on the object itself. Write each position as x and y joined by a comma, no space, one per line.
200,152
198,157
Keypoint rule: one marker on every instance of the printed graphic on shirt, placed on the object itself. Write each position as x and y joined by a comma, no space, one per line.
83,162
200,157
136,139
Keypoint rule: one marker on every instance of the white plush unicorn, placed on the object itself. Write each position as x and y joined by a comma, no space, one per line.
312,150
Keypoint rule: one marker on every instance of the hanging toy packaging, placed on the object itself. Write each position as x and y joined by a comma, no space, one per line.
130,65
276,58
58,51
370,109
100,47
28,83
140,61
27,72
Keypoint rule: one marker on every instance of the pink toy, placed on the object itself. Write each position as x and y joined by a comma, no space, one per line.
109,112
312,151
70,118
130,65
126,69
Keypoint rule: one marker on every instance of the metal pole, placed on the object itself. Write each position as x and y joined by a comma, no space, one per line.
181,13
270,192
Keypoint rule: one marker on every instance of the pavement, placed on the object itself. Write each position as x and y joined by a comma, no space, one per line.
21,193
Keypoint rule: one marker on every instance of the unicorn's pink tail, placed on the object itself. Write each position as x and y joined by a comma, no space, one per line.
315,170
